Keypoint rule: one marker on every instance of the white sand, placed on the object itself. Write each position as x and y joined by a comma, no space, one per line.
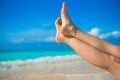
68,70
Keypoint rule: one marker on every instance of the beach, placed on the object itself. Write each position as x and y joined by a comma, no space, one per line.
38,40
69,67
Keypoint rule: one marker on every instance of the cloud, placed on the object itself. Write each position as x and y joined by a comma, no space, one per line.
114,34
49,39
22,40
42,35
95,31
36,32
32,35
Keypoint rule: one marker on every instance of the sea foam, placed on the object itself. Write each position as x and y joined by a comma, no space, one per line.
41,60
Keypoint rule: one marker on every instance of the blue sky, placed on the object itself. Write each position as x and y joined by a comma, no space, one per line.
29,24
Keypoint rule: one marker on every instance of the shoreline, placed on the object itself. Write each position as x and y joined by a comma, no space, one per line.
74,69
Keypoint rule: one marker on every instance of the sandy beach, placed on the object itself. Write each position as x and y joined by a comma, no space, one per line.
67,70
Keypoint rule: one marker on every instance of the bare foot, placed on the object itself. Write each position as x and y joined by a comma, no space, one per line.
68,30
67,27
60,37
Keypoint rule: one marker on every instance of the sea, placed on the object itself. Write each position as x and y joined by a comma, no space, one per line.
25,65
18,58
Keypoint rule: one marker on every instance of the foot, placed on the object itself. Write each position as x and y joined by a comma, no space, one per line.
68,30
67,27
59,37
62,38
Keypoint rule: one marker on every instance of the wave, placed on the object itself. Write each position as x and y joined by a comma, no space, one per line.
41,60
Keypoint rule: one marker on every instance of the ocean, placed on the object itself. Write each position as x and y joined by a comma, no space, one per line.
24,55
18,58
45,65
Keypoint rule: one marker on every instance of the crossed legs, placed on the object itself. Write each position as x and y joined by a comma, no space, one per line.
92,49
89,53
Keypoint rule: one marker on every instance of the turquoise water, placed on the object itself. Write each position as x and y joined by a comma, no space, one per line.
18,59
12,56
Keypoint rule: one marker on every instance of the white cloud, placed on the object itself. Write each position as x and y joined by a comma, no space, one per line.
114,34
95,31
32,35
49,39
22,40
41,35
33,32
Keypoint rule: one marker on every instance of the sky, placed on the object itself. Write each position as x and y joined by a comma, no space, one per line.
29,24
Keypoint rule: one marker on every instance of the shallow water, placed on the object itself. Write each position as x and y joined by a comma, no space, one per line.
20,55
70,66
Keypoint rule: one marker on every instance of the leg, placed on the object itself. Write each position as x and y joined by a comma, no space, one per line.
68,28
98,43
89,53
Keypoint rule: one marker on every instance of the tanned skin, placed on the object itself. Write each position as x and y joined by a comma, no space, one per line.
94,50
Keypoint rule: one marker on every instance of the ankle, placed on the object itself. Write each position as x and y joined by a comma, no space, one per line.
67,39
74,31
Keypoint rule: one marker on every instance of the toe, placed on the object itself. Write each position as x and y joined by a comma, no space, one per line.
57,22
64,8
